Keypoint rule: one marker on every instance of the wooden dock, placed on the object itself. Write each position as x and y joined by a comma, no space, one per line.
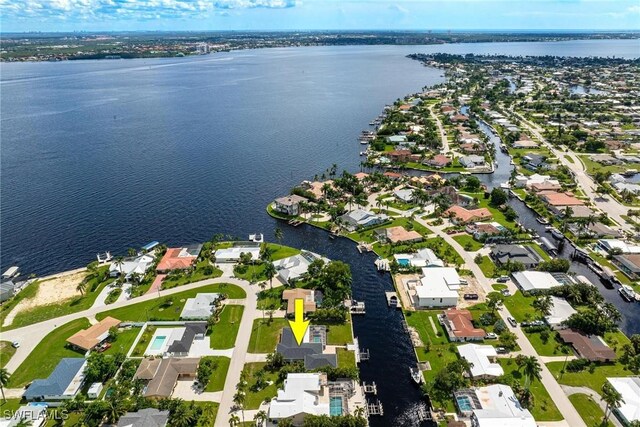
370,388
375,408
363,355
392,300
295,222
355,307
365,247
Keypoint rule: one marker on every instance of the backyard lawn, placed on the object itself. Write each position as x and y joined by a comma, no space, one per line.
282,251
201,272
271,299
168,307
264,335
219,374
6,352
346,358
339,333
468,242
47,354
255,398
143,343
585,378
543,407
520,307
589,410
225,331
123,341
487,266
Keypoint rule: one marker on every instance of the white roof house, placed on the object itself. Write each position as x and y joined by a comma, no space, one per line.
560,311
438,287
129,266
629,388
610,244
362,218
535,280
500,408
423,258
447,274
406,194
199,307
302,394
293,267
232,254
482,359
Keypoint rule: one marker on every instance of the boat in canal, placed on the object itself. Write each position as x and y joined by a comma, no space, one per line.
557,234
416,375
541,220
627,293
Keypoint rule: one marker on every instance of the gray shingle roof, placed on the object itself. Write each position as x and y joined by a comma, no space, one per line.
183,345
58,381
149,417
310,353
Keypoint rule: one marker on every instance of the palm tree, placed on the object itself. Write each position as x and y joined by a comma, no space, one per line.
530,368
565,218
119,262
260,418
81,287
239,399
278,234
359,412
4,380
612,398
234,420
543,304
270,272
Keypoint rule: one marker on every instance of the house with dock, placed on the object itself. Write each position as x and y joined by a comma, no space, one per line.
182,258
301,395
311,351
289,205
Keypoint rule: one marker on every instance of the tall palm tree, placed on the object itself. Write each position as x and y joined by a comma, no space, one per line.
359,412
270,272
543,304
81,287
234,421
531,369
612,398
119,262
239,398
260,418
278,234
4,380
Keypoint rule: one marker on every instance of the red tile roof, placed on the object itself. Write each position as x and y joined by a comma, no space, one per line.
173,261
462,327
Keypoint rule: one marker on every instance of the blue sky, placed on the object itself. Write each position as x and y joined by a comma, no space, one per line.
115,15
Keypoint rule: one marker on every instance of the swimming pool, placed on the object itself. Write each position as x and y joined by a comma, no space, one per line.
335,406
403,262
464,403
158,342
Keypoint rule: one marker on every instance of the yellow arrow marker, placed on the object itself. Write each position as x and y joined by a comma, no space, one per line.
299,325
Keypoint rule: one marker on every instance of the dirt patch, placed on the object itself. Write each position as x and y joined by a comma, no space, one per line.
52,290
472,287
403,291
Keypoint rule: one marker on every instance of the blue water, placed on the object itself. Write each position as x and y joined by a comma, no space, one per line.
158,342
335,406
464,403
403,262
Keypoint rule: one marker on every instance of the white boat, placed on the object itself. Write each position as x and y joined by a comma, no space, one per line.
256,238
542,220
627,293
364,142
416,375
557,234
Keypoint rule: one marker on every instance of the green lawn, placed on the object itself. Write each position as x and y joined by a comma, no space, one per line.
346,358
589,410
124,341
61,308
168,307
520,307
113,296
143,343
499,287
171,281
47,354
281,251
271,299
254,399
545,256
487,266
6,352
339,333
553,347
225,331
219,375
543,407
468,242
264,336
251,273
585,378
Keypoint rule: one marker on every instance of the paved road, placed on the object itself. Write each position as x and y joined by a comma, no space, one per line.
443,136
571,416
610,206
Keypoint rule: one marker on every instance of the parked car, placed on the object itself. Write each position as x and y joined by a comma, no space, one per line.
463,282
512,321
470,296
502,279
532,323
491,336
15,344
505,292
501,350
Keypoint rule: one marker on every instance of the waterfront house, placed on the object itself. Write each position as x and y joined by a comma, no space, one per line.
554,198
399,156
461,216
161,375
307,295
289,205
459,325
199,307
88,339
534,281
292,268
360,218
629,388
525,143
301,395
148,417
64,383
472,161
394,176
629,264
547,185
481,230
396,235
456,118
590,347
233,253
310,351
396,139
579,211
526,255
499,406
179,258
438,287
534,161
438,161
615,245
316,187
473,148
425,257
559,311
132,265
7,290
483,360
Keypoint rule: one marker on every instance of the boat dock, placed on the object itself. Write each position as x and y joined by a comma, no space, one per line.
375,408
392,299
370,388
11,272
382,264
355,307
295,222
104,257
365,247
363,355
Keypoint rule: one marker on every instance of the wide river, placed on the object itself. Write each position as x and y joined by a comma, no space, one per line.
107,155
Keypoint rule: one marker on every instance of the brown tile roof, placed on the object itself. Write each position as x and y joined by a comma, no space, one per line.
560,199
462,327
589,347
400,234
147,369
168,372
173,261
308,295
466,215
439,160
94,335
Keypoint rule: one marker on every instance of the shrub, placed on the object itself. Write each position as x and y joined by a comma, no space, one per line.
577,365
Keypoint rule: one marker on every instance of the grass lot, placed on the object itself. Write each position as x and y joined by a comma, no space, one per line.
346,358
282,251
585,378
553,347
520,307
219,375
271,299
499,287
498,216
264,335
589,410
339,333
225,331
254,399
6,352
488,267
50,311
468,242
171,281
368,236
124,341
142,344
543,407
168,307
251,273
47,354
593,166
